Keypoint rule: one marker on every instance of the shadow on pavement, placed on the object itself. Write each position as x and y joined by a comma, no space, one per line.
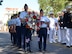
54,48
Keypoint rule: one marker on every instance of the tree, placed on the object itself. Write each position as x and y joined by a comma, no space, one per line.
69,2
52,5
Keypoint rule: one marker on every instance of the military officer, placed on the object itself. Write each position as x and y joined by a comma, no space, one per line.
12,29
44,23
62,28
53,27
68,23
25,32
18,30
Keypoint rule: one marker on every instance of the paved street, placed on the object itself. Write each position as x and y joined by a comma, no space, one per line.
54,48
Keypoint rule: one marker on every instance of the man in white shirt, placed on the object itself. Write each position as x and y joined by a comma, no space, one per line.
58,31
53,28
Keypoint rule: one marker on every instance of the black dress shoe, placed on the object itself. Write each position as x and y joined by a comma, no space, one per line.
63,43
40,50
19,47
44,50
30,51
68,46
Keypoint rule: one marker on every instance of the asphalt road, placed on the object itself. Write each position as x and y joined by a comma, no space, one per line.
54,48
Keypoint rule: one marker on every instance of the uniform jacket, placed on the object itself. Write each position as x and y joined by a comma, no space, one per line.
68,20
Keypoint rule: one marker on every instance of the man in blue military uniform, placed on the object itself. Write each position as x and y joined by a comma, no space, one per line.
25,32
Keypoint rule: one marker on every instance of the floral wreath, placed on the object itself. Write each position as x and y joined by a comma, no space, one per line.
32,17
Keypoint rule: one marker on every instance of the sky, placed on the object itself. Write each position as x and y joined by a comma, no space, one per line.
32,4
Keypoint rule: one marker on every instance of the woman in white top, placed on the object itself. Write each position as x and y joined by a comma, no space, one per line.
18,30
12,29
43,30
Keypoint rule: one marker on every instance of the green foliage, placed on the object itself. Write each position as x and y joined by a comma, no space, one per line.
52,5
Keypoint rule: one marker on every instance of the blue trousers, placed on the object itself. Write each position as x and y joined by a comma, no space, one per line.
23,36
13,37
28,36
42,34
18,36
